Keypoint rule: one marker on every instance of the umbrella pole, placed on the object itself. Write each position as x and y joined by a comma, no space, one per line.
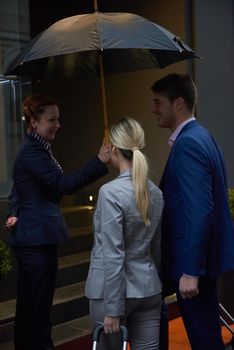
103,89
103,93
95,5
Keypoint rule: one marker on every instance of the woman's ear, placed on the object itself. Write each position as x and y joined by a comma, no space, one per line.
114,150
33,123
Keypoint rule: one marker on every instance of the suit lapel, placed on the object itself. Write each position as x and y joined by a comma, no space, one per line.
188,126
164,175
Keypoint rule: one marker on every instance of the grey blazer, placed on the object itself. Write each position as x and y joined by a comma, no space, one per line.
125,251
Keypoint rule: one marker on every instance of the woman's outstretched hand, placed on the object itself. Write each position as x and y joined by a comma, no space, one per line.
104,152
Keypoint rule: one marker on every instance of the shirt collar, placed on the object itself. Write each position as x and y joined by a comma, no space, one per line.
176,132
46,145
37,136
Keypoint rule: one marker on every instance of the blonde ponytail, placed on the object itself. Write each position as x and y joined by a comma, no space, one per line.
140,183
128,136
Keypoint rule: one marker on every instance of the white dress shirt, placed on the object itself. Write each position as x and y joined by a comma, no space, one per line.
178,130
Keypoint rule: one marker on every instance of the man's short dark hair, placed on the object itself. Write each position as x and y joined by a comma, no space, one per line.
177,85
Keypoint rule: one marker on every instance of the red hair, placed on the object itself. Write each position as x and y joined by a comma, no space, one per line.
34,106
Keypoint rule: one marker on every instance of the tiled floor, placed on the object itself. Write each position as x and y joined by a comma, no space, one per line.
71,330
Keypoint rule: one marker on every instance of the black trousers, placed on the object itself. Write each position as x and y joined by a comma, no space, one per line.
37,271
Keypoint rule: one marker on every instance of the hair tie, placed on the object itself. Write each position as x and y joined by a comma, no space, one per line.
135,149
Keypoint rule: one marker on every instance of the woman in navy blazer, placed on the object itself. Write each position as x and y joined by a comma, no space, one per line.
123,283
36,222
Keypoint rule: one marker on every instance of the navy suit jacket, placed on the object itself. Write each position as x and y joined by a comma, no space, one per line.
197,229
38,188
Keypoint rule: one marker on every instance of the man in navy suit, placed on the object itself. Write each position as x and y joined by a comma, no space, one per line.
197,229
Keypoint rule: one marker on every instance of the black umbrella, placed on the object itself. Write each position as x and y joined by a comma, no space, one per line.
99,44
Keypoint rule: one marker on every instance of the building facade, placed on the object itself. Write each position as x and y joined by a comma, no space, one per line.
207,26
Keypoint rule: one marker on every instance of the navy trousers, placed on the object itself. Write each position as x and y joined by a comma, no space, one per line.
200,316
37,271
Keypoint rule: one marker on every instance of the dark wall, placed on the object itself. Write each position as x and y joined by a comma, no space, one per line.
215,73
44,13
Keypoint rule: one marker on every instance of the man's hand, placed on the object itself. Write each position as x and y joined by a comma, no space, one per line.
188,287
104,152
11,223
111,324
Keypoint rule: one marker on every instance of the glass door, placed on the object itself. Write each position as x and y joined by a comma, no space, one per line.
12,93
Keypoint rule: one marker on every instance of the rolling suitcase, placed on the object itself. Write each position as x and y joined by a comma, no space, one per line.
227,319
100,328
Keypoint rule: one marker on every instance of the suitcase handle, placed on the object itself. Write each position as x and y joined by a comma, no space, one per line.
100,328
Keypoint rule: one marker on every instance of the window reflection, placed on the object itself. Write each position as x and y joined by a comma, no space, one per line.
12,92
14,34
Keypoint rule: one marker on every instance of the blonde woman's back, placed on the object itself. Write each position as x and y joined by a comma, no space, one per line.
122,226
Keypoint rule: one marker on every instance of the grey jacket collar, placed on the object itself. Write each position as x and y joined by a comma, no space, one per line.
125,173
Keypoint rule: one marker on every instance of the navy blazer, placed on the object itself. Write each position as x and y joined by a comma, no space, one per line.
39,185
197,229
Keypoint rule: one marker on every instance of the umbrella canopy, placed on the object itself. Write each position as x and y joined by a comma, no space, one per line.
127,42
99,44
